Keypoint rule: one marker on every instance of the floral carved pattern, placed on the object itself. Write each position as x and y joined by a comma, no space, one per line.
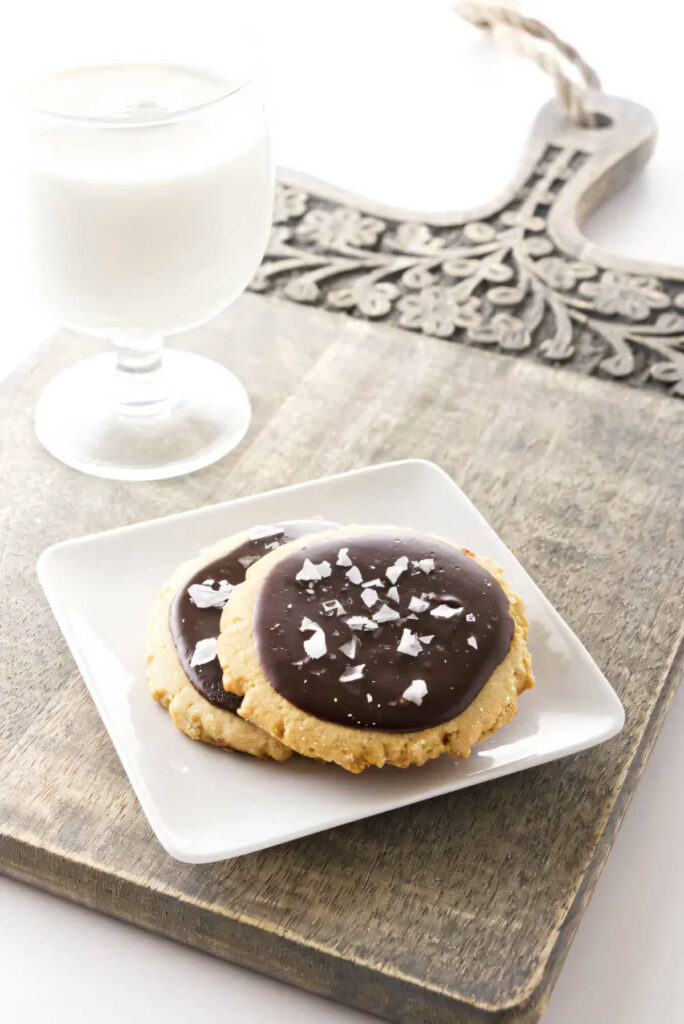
500,282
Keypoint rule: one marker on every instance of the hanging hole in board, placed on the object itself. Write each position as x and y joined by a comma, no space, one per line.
600,121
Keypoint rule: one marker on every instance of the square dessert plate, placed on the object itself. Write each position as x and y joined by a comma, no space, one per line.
206,804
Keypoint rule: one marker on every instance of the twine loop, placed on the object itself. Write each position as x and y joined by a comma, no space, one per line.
533,39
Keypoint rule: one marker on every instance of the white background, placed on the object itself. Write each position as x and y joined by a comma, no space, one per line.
399,100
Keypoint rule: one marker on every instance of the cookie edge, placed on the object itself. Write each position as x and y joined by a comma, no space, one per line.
168,684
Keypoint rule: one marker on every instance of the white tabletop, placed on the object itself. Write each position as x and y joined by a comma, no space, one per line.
398,100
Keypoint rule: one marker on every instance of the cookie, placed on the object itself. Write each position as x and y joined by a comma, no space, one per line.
375,645
183,672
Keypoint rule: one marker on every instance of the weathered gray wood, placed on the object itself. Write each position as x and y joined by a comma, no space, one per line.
458,909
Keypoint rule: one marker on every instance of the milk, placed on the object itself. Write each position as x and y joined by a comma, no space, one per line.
142,222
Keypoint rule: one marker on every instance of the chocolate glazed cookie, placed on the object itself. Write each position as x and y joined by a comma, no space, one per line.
183,672
375,645
195,611
439,623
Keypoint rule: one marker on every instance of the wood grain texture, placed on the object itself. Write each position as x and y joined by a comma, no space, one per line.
457,909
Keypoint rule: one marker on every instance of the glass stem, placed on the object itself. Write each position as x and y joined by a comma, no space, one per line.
141,387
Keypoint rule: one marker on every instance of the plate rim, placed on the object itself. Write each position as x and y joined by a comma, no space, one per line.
247,498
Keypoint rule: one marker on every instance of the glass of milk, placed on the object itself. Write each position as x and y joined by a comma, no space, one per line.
149,200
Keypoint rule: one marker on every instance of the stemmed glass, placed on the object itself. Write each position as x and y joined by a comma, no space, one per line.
149,197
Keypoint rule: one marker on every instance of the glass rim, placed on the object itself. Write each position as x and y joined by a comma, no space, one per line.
98,121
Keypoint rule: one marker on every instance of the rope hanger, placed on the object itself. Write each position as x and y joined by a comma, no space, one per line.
534,40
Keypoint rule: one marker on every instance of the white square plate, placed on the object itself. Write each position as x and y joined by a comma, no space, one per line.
205,804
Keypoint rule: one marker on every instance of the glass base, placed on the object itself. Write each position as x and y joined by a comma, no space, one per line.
189,412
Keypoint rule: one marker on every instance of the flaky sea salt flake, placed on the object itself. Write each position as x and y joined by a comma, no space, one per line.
308,624
315,645
427,639
343,557
394,571
385,614
470,617
333,607
350,648
351,674
425,564
247,560
416,691
417,604
445,611
205,651
393,594
369,597
361,622
203,595
354,575
409,644
308,571
473,642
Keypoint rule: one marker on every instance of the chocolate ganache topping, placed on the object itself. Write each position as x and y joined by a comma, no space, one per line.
195,612
381,630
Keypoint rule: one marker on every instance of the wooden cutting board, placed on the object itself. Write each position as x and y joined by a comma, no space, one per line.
459,909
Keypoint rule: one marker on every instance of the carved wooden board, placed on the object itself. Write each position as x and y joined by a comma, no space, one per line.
457,909
516,275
